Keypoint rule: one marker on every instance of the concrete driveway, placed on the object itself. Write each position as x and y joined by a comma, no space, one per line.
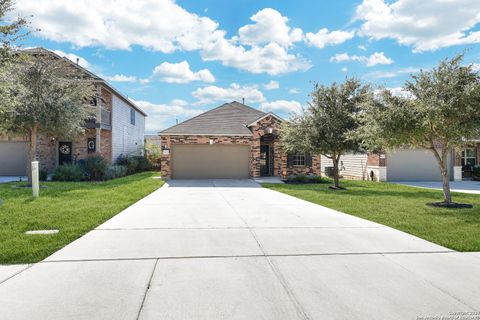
467,186
232,250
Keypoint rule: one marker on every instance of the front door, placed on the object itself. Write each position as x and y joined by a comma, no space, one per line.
64,152
264,160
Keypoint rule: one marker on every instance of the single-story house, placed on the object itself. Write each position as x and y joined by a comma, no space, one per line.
405,164
116,127
230,141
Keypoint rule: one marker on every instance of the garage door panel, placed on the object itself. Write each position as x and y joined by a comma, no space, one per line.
13,158
412,165
210,161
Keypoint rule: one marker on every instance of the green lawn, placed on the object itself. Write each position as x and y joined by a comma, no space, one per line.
400,207
72,207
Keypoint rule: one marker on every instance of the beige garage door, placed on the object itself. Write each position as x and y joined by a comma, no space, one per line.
191,161
13,158
412,165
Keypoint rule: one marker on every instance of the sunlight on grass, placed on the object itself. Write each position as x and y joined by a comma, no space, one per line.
72,207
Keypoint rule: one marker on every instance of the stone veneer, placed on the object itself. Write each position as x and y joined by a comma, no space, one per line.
267,126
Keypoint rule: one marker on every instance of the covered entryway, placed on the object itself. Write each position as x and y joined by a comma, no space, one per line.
13,158
196,161
412,165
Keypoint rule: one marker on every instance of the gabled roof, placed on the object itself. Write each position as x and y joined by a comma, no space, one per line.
228,119
94,77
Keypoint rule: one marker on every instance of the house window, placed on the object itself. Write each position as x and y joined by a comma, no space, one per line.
132,116
298,160
469,157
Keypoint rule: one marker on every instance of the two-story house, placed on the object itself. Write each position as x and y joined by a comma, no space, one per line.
116,127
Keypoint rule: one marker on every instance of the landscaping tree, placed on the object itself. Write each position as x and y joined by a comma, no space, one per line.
325,126
440,112
52,97
10,31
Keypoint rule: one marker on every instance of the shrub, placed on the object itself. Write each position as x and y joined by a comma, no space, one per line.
96,167
69,172
476,171
43,175
114,172
304,178
134,163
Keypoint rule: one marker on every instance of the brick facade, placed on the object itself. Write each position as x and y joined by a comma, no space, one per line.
268,126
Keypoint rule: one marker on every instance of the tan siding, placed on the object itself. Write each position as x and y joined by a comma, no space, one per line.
351,165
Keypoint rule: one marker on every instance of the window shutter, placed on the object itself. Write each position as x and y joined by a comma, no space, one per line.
308,160
289,160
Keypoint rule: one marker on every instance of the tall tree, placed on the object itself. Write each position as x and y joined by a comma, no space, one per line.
440,112
52,97
10,31
325,126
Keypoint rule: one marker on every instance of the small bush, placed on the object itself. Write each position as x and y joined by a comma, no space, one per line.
114,172
476,171
134,164
305,178
96,167
69,172
43,175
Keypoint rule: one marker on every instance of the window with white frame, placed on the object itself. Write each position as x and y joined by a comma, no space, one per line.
469,157
298,159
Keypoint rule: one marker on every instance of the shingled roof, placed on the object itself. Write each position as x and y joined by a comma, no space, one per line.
228,119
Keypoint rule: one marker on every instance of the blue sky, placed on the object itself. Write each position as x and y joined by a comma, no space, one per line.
177,59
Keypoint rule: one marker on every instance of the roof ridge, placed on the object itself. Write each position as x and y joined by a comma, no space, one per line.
247,106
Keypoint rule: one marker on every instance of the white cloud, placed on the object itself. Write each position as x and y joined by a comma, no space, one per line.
323,37
269,26
294,91
271,85
392,73
120,78
271,58
162,115
163,25
285,106
181,73
425,25
372,60
73,57
235,91
362,47
344,69
476,67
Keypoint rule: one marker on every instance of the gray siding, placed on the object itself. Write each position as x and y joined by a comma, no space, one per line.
126,138
351,165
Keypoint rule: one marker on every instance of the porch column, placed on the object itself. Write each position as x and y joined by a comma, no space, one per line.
98,138
457,166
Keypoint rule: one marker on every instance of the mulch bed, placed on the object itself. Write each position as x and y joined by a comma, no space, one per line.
450,205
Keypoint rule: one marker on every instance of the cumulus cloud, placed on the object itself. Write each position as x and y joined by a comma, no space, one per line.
323,37
425,25
370,61
282,106
163,115
269,26
181,73
294,90
271,85
211,94
163,25
120,78
73,57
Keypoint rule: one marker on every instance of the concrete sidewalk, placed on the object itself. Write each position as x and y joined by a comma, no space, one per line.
466,186
229,249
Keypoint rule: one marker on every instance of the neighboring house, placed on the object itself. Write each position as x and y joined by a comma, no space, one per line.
230,141
406,165
116,128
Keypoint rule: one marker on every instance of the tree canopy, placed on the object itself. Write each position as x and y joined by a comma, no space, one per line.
439,111
325,126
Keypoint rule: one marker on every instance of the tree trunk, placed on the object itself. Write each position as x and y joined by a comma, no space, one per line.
442,163
32,152
335,160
